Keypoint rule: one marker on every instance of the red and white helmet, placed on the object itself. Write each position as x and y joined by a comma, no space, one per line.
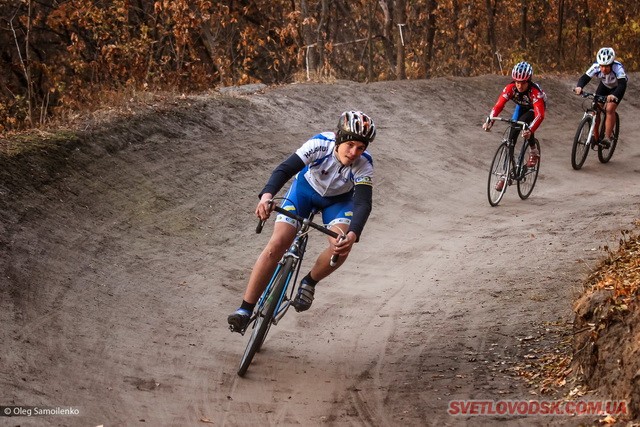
605,56
355,126
522,71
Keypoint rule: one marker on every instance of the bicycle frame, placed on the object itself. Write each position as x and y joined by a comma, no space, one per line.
517,172
274,302
506,168
590,132
296,254
598,113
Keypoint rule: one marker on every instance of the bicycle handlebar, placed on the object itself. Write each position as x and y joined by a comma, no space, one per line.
523,125
325,230
312,224
597,98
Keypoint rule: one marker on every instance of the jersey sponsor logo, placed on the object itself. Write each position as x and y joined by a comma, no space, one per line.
348,213
315,150
366,180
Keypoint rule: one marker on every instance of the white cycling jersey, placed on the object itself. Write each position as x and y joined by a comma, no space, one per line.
324,172
609,80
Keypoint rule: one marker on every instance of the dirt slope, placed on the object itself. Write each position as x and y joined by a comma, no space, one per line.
121,257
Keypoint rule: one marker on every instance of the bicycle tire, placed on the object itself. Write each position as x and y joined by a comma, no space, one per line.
500,167
580,149
605,154
264,317
530,175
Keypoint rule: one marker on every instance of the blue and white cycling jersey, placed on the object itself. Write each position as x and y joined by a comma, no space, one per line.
324,172
609,80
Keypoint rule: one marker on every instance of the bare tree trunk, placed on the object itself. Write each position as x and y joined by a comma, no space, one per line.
371,8
308,40
523,25
320,38
209,42
587,24
387,34
27,49
559,30
24,62
430,37
491,33
456,36
401,19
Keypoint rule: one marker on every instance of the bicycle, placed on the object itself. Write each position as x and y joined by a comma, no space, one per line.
589,136
507,168
275,300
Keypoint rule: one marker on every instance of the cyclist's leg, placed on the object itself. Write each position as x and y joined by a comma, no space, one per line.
534,155
610,108
527,117
337,216
610,121
297,201
514,132
321,269
281,238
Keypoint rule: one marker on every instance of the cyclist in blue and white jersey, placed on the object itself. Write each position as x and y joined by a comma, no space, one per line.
333,173
613,83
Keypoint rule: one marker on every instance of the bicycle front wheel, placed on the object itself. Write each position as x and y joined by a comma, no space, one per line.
604,154
580,147
264,317
529,175
498,175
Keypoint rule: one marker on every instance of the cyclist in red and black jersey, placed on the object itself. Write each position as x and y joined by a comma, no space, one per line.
531,102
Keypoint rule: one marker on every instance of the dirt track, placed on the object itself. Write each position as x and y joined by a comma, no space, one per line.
118,270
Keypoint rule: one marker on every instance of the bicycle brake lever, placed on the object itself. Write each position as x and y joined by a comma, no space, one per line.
334,258
262,222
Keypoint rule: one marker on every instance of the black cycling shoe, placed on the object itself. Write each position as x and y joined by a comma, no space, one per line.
239,320
302,301
605,143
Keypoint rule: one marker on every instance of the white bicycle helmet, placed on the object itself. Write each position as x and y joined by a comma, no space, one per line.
522,71
605,56
355,126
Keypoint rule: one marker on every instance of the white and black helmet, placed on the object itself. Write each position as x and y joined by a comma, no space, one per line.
605,56
355,126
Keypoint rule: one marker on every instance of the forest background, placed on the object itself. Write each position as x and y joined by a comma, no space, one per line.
59,57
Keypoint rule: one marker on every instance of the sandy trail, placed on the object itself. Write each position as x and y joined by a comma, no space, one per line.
119,270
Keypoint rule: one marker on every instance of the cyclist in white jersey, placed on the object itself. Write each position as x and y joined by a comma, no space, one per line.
333,173
613,83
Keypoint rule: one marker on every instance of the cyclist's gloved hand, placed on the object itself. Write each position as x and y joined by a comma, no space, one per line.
526,134
578,90
265,206
487,125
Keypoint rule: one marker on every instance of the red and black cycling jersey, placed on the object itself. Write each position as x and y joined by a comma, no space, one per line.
533,98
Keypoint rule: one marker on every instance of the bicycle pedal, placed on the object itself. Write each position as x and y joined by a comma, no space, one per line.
233,329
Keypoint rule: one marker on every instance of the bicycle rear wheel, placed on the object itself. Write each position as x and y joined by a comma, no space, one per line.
580,147
604,154
529,175
264,317
499,171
